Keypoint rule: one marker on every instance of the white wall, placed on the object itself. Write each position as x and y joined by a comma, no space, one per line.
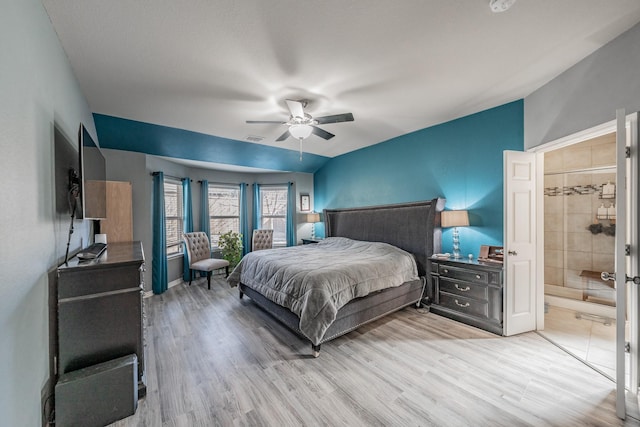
587,94
38,90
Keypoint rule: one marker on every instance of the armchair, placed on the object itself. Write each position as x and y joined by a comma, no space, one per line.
199,254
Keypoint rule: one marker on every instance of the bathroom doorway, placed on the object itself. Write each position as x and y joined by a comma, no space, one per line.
579,244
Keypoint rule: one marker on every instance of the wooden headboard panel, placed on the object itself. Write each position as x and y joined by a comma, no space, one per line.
414,227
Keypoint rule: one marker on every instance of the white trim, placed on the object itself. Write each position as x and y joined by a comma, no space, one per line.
594,132
171,284
175,255
539,266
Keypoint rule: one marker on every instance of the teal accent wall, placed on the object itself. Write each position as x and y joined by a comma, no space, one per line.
460,160
130,135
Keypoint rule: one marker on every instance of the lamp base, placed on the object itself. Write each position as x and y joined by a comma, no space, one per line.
456,244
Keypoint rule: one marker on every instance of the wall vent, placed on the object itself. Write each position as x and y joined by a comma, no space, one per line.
254,138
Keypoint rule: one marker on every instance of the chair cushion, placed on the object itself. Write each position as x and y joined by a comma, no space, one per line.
209,264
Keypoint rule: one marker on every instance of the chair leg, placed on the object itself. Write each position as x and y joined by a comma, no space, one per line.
208,280
226,270
190,276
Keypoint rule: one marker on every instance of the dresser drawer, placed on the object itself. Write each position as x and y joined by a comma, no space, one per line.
464,289
475,276
464,305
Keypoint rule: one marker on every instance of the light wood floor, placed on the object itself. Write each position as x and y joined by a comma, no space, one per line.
213,359
589,340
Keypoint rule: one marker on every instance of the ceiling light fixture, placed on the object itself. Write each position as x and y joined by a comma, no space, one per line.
300,132
498,6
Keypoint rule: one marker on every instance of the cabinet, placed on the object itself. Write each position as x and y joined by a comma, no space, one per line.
118,226
99,310
468,291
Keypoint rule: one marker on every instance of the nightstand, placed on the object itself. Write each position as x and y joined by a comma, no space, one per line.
309,241
468,291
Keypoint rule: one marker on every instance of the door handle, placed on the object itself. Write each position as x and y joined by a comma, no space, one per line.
612,276
512,253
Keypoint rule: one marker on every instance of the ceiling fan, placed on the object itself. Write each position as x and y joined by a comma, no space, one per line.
302,125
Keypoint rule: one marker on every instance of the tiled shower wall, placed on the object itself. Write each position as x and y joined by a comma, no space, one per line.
572,198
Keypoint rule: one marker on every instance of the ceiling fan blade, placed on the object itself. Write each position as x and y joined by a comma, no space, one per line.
337,118
322,133
280,122
295,107
284,136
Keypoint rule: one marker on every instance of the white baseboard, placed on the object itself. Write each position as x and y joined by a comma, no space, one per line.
171,284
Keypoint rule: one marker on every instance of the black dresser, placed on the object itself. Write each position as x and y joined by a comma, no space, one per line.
468,291
100,313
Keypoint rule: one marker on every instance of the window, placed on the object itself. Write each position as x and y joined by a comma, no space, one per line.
273,212
173,211
224,211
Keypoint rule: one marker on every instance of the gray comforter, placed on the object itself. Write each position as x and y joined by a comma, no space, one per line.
314,281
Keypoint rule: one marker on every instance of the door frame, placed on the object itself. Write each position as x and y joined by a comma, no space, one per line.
594,132
633,233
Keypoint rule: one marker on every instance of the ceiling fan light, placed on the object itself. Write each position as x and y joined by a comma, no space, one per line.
300,131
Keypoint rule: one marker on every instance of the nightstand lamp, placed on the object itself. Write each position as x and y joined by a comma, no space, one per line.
313,217
455,219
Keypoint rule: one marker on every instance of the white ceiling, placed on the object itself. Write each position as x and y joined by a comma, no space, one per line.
398,66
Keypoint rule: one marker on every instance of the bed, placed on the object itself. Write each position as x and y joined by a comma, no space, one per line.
409,228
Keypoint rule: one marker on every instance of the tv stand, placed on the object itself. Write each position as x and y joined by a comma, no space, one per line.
100,313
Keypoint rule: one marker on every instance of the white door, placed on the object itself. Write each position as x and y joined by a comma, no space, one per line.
626,262
620,259
519,242
633,265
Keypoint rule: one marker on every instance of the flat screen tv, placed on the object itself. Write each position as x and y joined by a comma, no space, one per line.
67,174
93,176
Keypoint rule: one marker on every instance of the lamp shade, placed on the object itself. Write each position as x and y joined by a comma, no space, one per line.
300,131
454,219
313,217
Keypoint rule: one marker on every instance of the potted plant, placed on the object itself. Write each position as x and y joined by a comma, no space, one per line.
230,244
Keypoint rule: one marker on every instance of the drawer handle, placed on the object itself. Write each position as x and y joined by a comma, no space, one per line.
466,304
445,270
477,276
462,289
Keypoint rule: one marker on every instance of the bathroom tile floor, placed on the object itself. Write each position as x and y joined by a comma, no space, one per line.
589,340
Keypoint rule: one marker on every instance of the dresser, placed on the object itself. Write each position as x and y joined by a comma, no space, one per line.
468,291
100,312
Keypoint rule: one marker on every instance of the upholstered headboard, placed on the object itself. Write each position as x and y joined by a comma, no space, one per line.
414,227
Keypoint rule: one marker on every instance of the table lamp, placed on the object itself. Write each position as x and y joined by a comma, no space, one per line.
313,217
455,219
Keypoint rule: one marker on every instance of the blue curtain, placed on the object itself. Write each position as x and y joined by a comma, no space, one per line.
256,206
291,211
204,208
244,219
187,223
159,249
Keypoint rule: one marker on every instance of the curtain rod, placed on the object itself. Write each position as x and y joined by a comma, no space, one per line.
275,183
170,176
223,183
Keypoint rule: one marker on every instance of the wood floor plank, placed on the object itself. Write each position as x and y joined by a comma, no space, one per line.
215,360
